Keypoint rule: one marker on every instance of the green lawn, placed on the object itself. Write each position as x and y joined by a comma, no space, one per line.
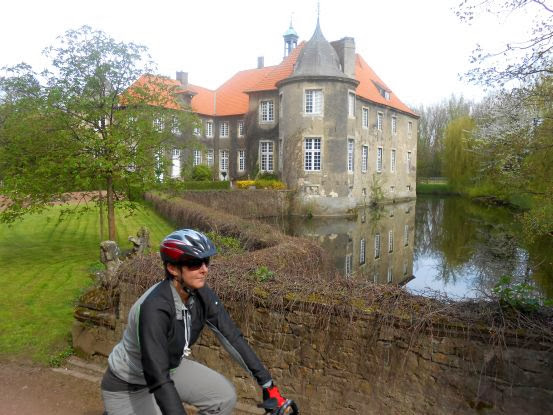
44,266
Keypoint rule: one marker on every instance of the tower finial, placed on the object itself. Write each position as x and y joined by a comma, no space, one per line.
318,10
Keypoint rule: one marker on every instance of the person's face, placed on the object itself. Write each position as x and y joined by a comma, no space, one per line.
193,275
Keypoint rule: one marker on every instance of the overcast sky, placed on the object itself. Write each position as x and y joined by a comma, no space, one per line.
417,47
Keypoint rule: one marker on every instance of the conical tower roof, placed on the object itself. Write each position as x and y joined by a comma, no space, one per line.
318,57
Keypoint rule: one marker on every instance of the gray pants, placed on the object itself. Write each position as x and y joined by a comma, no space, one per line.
196,385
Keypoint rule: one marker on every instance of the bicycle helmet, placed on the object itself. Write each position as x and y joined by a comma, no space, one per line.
186,244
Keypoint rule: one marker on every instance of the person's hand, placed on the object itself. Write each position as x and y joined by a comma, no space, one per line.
275,403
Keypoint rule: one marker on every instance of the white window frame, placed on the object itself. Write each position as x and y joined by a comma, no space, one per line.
175,126
209,157
351,155
394,125
266,156
364,158
379,159
362,247
379,120
197,158
409,156
223,160
175,163
240,128
390,276
197,131
349,265
241,160
158,124
266,111
224,129
209,129
390,241
312,157
313,101
351,104
393,158
409,128
365,117
377,246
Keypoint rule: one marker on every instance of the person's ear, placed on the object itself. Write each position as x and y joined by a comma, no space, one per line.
173,269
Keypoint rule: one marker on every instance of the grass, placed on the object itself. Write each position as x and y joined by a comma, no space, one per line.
44,267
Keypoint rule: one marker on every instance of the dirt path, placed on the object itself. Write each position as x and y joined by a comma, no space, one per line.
26,389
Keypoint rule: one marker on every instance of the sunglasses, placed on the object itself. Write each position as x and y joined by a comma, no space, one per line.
195,264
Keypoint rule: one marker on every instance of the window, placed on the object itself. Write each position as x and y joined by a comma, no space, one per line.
313,101
197,157
241,160
175,163
209,158
349,265
351,104
241,128
223,129
390,275
223,160
394,125
266,155
175,126
365,118
379,159
362,252
392,190
377,246
409,128
405,268
266,111
209,129
379,118
158,124
393,161
350,155
408,161
408,187
197,131
390,241
364,158
312,155
280,106
406,235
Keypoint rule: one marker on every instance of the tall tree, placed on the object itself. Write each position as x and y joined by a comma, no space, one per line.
460,162
79,126
521,59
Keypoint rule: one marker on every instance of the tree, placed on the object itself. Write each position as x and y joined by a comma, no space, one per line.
80,125
460,164
521,60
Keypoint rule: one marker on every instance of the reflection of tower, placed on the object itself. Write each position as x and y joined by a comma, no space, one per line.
290,40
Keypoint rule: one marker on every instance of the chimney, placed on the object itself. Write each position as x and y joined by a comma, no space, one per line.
345,48
260,62
182,77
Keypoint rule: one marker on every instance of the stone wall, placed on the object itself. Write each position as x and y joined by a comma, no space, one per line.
332,364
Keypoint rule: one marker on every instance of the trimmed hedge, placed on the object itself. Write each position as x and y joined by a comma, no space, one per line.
195,185
261,184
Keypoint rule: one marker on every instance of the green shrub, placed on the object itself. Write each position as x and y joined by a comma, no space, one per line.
201,173
266,176
269,184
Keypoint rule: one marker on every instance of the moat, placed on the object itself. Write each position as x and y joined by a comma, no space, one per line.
435,245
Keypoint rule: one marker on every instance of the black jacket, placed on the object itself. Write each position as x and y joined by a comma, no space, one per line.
162,339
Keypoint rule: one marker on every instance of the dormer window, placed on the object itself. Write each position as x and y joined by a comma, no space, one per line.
382,91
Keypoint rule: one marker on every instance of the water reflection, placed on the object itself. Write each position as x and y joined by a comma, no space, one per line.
376,246
448,245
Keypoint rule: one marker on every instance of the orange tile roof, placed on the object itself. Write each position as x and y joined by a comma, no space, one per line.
147,87
231,98
367,89
279,72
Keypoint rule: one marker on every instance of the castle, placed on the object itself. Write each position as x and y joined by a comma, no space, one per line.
322,120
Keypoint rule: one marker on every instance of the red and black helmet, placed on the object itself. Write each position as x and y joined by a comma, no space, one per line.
186,244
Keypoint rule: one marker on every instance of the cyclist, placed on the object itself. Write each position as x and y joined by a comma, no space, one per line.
150,370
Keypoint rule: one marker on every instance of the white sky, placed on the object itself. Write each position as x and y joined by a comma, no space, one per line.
417,47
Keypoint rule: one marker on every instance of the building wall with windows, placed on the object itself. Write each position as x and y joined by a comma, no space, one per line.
321,120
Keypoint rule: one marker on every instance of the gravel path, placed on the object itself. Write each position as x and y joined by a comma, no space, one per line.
26,389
